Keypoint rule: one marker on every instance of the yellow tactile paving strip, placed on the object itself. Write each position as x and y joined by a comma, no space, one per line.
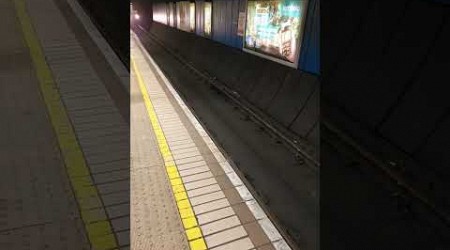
190,224
98,228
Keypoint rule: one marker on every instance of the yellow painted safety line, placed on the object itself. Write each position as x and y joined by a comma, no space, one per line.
189,221
98,227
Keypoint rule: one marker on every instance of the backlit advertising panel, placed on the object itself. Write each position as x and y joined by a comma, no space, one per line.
192,17
207,18
172,14
183,17
274,29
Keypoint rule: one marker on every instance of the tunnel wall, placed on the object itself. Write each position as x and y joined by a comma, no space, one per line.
385,85
199,17
289,96
225,15
225,19
310,52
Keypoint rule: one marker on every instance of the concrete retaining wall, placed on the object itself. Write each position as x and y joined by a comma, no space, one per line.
288,95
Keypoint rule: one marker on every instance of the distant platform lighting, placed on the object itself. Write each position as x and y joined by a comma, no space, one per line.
136,16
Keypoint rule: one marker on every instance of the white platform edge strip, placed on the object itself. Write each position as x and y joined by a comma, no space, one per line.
116,64
272,233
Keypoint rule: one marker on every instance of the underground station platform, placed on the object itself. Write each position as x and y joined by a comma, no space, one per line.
184,192
94,159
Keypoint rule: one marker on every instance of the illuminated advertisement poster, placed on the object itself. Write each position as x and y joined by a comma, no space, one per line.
208,13
274,28
160,13
167,14
241,24
177,10
183,17
172,14
192,17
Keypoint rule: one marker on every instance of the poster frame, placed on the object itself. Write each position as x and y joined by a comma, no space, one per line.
210,36
193,27
273,58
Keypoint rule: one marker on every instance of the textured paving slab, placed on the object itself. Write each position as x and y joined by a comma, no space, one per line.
155,223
